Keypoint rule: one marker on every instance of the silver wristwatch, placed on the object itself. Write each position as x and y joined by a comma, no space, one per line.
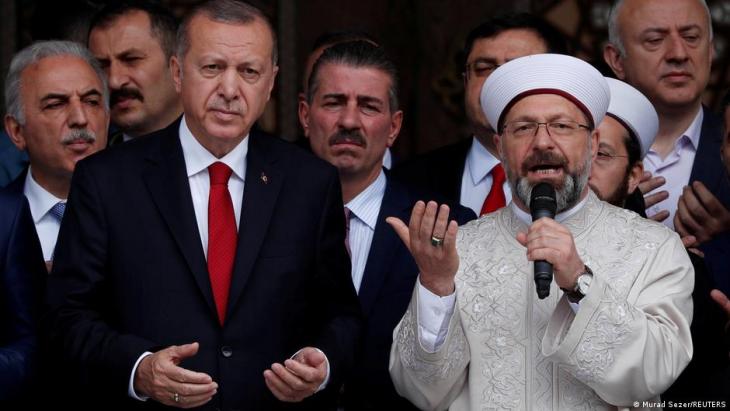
582,284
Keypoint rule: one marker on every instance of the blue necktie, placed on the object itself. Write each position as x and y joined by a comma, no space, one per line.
57,210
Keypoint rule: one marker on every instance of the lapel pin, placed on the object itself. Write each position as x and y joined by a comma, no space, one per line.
264,178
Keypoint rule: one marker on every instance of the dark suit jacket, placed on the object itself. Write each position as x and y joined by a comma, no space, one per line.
439,171
130,274
22,273
386,289
708,169
12,160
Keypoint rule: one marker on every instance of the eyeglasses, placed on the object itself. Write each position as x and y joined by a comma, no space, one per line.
480,68
604,159
562,128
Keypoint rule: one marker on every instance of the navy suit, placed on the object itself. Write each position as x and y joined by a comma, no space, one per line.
385,292
130,274
708,169
22,273
12,160
440,171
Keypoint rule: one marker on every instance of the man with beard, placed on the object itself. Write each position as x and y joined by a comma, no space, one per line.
614,329
624,137
469,172
350,117
58,112
134,40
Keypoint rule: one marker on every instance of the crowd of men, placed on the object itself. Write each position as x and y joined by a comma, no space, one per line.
157,249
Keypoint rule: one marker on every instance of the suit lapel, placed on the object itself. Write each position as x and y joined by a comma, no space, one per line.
707,166
167,181
262,186
384,245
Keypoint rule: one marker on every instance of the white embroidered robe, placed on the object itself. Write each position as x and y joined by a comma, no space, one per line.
506,349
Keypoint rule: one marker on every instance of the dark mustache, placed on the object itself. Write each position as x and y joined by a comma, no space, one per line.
348,136
542,158
125,92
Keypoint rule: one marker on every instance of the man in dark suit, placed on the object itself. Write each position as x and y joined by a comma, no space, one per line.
465,172
206,267
58,113
133,41
21,292
350,116
665,50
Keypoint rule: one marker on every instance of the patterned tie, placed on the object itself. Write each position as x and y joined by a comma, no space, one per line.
495,200
348,214
57,210
222,236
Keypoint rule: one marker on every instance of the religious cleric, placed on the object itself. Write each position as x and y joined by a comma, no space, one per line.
614,331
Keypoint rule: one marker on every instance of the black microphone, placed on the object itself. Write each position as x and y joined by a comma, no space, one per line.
543,204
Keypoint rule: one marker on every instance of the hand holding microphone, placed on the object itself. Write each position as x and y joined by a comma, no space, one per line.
550,244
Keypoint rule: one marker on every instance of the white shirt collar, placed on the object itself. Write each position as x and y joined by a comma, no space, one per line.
479,161
198,158
39,199
527,218
365,206
695,129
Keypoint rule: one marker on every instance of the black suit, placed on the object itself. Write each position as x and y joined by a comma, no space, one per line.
385,292
22,273
708,169
130,275
439,171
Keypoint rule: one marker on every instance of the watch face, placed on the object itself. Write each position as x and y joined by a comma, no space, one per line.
584,282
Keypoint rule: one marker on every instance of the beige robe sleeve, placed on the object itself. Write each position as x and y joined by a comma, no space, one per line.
629,346
431,381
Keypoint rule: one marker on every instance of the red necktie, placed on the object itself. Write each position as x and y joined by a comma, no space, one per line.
495,200
222,236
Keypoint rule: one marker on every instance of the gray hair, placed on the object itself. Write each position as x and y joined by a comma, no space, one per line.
223,11
34,54
614,36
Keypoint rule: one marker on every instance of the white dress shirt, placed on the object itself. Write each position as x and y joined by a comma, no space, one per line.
434,312
675,168
388,159
41,202
197,160
364,210
476,182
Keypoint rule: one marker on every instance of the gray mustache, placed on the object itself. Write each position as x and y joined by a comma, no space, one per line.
81,134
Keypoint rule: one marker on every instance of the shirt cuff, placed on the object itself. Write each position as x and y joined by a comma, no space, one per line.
434,315
326,361
130,389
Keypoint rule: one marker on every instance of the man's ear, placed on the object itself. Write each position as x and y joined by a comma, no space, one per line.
396,121
613,58
304,116
15,132
637,170
176,71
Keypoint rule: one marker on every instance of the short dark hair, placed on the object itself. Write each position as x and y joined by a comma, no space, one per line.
554,40
224,11
330,38
357,53
163,23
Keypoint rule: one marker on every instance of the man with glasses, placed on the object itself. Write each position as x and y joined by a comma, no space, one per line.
625,135
466,172
614,329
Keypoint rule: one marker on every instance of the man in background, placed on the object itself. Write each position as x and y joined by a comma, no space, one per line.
58,113
469,172
133,41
